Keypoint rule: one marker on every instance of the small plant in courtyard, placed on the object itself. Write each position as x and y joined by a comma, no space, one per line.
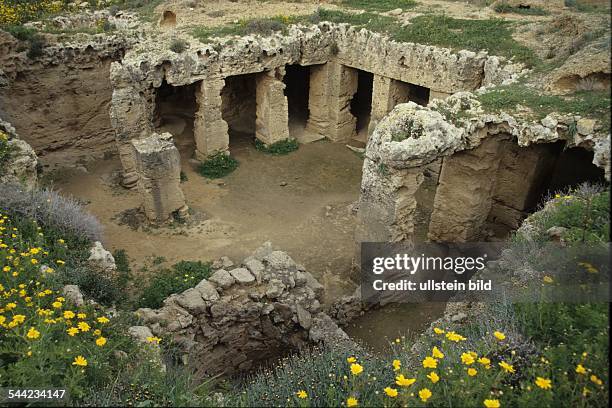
279,148
217,166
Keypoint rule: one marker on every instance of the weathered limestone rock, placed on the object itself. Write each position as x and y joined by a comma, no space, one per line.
22,164
102,258
272,123
158,167
210,130
242,276
73,294
332,87
222,278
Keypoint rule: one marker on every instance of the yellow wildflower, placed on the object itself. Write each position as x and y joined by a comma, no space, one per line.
356,369
349,360
491,403
391,392
484,361
467,358
103,319
499,335
430,362
452,336
57,305
596,380
403,381
472,372
79,361
543,383
153,339
68,314
301,394
100,341
547,279
33,333
436,353
352,402
580,369
396,365
425,394
507,367
72,331
433,377
437,330
83,326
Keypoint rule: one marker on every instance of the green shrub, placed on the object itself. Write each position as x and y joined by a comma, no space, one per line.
182,276
21,33
279,148
5,150
178,45
37,44
264,26
217,166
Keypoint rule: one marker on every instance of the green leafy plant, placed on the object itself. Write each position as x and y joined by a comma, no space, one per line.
217,166
278,148
178,45
182,276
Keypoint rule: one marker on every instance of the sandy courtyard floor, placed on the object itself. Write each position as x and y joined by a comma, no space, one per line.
300,202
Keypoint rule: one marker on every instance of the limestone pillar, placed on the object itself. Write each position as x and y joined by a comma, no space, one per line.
386,93
158,166
465,193
131,115
388,203
272,112
332,87
210,130
521,179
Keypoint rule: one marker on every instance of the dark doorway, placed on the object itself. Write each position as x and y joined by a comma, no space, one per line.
238,106
175,108
361,104
573,167
297,81
418,94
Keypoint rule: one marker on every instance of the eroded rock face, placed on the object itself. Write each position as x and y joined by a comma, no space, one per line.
226,325
490,162
22,163
157,163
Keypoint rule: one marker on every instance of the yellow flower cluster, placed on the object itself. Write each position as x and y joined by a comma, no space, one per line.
31,310
12,12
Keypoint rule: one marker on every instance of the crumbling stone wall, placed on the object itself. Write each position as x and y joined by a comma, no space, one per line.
244,314
59,103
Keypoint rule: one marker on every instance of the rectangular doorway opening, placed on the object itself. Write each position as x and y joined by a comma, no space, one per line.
175,108
361,104
238,107
406,92
297,82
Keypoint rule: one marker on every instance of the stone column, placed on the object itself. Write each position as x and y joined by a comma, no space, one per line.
332,87
386,93
272,113
158,166
131,114
522,176
209,129
465,193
